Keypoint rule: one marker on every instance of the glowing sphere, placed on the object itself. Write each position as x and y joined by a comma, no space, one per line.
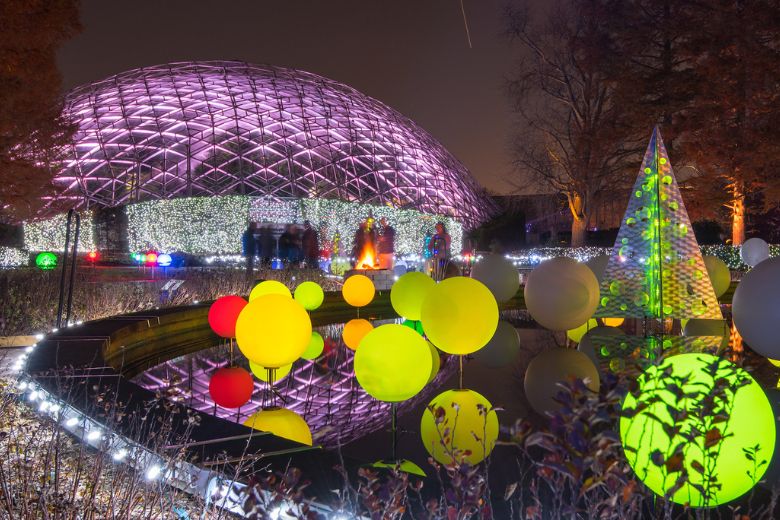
46,261
551,367
435,361
499,275
315,348
151,257
354,332
502,348
262,374
231,387
408,293
755,308
273,330
282,423
310,295
415,325
393,363
460,315
358,290
698,442
92,256
459,426
164,260
719,273
561,294
613,322
223,315
269,287
754,251
576,334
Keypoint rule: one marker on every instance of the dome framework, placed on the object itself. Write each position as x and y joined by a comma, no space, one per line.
218,128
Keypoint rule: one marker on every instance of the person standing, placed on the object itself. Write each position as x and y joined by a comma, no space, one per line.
311,246
439,248
249,246
386,244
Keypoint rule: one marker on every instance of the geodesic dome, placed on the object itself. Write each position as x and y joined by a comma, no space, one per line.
218,128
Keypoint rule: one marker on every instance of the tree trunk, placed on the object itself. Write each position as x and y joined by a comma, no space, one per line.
578,232
579,221
738,216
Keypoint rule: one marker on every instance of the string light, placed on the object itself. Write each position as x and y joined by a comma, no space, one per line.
13,257
49,234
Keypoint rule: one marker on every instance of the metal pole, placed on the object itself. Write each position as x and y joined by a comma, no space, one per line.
64,267
73,268
394,429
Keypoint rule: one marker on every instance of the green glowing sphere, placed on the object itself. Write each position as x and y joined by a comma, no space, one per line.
315,348
721,437
408,293
393,363
310,295
459,426
46,261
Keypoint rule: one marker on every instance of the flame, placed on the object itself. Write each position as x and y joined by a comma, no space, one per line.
368,258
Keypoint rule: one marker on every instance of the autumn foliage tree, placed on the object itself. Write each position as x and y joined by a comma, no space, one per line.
574,136
33,133
731,131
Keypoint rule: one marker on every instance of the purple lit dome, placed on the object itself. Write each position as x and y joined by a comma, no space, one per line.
220,128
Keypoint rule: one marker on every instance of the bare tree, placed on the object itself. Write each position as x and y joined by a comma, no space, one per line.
573,137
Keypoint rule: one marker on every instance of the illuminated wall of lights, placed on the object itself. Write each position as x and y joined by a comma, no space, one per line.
49,234
13,257
197,225
214,225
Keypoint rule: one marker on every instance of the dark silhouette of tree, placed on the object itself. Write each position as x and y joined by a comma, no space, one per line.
575,138
33,133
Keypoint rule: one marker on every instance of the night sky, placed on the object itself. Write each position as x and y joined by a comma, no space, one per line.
411,54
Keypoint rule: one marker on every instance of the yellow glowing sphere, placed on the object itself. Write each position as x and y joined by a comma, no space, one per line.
354,331
459,426
261,372
273,330
576,334
310,295
459,315
269,287
315,348
358,290
393,363
408,293
435,361
613,322
282,423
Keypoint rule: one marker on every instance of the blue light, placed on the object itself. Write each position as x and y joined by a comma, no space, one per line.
164,260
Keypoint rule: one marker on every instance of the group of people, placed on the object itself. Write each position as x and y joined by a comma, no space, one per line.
296,246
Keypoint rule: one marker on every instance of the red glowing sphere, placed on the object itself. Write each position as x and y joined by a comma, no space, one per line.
223,315
231,387
92,256
151,258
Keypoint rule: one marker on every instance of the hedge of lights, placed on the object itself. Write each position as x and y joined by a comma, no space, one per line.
13,257
49,235
213,225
